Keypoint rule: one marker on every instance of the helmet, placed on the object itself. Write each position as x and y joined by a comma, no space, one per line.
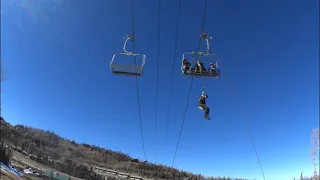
204,95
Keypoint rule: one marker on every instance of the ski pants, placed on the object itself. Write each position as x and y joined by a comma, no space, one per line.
205,108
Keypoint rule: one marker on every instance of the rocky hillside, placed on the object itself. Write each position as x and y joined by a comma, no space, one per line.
76,159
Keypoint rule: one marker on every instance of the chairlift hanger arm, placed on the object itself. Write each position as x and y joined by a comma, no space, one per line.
127,38
207,38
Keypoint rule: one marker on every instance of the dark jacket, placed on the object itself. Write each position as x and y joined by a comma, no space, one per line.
200,66
186,63
202,100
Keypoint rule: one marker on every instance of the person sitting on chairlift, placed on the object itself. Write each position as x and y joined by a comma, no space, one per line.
212,68
202,105
199,67
185,66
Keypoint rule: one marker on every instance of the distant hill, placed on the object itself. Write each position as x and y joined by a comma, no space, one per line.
76,159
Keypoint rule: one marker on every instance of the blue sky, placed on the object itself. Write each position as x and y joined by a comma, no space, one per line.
55,57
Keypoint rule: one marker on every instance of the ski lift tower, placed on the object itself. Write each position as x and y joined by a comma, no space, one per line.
315,144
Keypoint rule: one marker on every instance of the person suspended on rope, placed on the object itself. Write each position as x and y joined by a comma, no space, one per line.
185,66
199,67
202,105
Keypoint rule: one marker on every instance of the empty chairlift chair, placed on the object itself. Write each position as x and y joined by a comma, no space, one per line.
127,69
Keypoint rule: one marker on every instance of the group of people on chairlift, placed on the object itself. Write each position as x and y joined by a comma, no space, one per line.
198,68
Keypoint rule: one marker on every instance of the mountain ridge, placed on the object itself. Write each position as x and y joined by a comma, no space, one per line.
65,155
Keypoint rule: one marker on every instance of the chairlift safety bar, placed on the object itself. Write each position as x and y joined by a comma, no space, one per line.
208,54
130,54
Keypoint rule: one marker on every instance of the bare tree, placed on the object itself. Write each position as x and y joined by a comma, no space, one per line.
315,149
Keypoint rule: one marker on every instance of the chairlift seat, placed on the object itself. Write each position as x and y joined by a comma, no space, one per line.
125,69
202,74
210,57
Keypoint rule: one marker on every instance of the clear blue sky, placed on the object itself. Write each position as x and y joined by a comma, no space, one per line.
55,57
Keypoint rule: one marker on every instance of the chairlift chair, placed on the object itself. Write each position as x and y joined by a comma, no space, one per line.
210,58
126,69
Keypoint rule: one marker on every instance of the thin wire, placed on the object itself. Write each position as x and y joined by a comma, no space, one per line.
157,76
173,66
137,85
250,135
191,84
247,128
